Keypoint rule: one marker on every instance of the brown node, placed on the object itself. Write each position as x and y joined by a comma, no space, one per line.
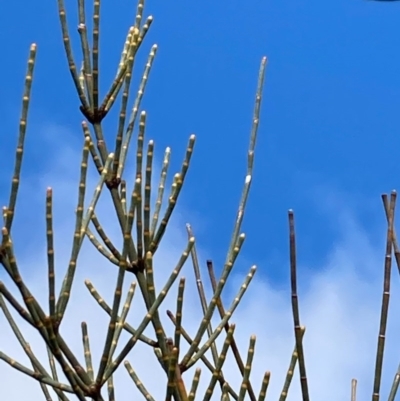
94,391
95,116
137,266
113,183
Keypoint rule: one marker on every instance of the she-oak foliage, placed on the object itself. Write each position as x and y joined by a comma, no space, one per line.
142,229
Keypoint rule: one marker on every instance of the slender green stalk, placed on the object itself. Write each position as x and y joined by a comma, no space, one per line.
95,157
70,57
111,389
128,224
264,386
80,230
150,285
256,115
87,68
68,279
137,382
16,305
87,352
385,299
161,188
295,308
139,169
250,159
195,384
124,75
123,196
290,371
178,321
95,53
101,144
147,196
145,28
50,252
101,248
247,369
171,385
82,78
96,195
353,390
122,318
21,139
139,13
135,110
116,255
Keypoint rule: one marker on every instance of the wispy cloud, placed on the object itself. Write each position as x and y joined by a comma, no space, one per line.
339,303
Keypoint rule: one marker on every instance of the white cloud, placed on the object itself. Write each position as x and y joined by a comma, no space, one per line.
339,304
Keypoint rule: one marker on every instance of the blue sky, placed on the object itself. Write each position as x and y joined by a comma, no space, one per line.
329,133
